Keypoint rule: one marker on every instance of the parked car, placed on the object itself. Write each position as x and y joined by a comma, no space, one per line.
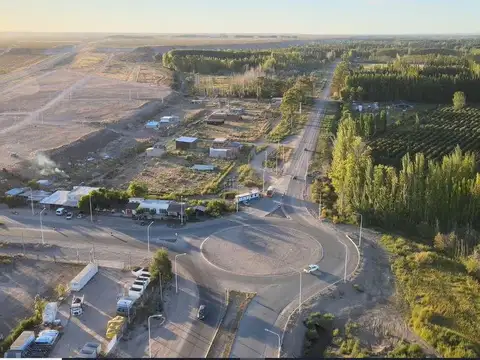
47,337
202,310
89,350
138,271
69,216
311,268
60,211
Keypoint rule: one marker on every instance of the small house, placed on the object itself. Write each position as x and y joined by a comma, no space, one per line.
169,119
155,151
203,167
16,191
152,125
176,209
186,143
220,153
155,207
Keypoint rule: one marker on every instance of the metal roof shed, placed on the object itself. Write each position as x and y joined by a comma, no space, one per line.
203,167
16,191
185,142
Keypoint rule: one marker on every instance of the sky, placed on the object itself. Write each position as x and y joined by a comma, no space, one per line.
320,17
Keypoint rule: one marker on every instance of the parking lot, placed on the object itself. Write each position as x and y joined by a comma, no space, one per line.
100,305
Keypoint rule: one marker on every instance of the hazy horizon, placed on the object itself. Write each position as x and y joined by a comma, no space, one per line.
262,17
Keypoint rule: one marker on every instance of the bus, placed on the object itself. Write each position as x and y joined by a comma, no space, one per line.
270,191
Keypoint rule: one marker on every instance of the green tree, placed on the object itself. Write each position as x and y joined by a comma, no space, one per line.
136,189
161,264
33,184
459,100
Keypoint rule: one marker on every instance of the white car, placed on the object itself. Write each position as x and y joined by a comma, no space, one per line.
310,268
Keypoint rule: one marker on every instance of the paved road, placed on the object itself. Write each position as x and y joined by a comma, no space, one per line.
116,239
264,312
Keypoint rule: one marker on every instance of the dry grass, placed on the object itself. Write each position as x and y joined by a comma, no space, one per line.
88,61
443,300
223,341
173,173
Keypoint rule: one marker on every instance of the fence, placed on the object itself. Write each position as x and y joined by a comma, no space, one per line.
80,254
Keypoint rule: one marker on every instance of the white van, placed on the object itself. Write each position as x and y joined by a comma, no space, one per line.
60,211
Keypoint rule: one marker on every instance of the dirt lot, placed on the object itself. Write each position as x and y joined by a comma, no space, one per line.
11,62
100,297
87,61
65,106
222,344
368,302
21,280
254,124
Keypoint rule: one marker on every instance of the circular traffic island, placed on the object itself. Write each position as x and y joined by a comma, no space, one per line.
261,250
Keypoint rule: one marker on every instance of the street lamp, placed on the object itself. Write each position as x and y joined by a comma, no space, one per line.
41,225
156,316
148,236
176,274
279,341
346,262
360,233
300,298
31,199
91,212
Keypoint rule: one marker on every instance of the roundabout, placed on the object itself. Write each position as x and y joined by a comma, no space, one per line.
261,250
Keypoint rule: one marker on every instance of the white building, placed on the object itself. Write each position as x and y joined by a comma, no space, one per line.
160,206
66,198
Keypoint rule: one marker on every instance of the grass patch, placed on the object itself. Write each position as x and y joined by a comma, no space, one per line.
443,300
284,154
287,127
260,148
247,176
222,344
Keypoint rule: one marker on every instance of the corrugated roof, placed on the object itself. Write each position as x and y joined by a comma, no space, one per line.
220,140
36,195
15,191
187,139
203,167
152,123
155,204
59,198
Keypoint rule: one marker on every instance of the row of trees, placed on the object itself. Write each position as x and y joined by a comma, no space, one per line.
434,80
110,198
305,58
440,195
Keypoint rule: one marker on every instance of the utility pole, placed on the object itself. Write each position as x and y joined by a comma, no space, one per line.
320,207
181,209
160,281
300,108
276,157
235,179
90,201
265,164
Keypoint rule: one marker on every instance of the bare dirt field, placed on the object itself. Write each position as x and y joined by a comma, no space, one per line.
21,280
87,61
11,62
65,106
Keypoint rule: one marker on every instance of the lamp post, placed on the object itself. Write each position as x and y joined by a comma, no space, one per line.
176,274
360,232
90,202
31,199
148,236
300,297
41,225
278,336
156,316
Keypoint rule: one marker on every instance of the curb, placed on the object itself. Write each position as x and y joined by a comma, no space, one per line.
320,291
239,322
219,322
